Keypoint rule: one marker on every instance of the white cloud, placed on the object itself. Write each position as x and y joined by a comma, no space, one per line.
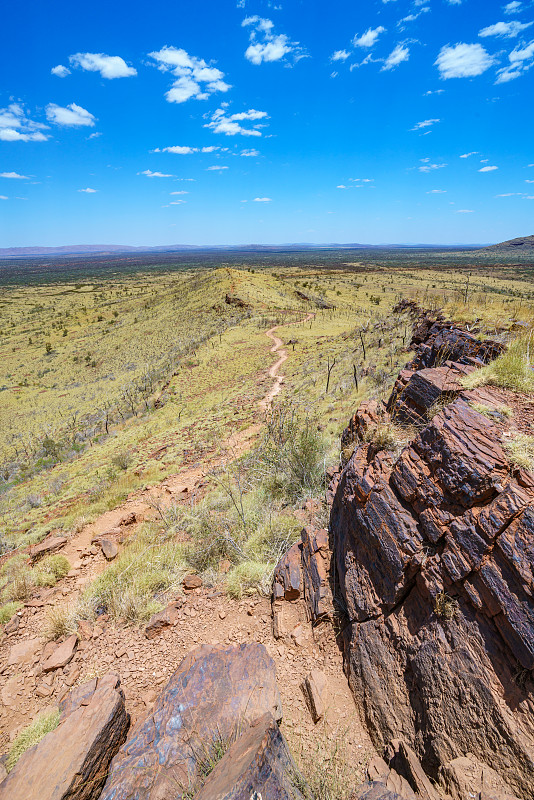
412,17
463,60
151,174
435,91
437,191
263,200
60,71
342,186
506,29
94,135
72,115
15,176
521,60
3,197
16,126
215,168
264,45
109,66
368,39
249,153
221,122
426,123
465,211
399,54
340,55
177,149
428,166
472,153
182,192
527,181
88,190
513,8
176,202
195,78
511,194
488,169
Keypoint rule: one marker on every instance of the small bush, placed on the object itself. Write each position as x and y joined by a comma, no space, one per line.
31,735
60,621
389,436
445,606
122,460
247,578
498,413
51,569
7,611
520,450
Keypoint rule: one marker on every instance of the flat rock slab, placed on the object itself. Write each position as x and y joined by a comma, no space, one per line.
23,652
315,689
71,762
258,764
213,693
49,545
166,618
62,654
192,582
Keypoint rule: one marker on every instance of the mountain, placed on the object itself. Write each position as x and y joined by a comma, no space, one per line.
522,244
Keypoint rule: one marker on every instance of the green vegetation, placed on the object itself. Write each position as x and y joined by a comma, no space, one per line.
31,735
520,450
18,579
7,611
512,370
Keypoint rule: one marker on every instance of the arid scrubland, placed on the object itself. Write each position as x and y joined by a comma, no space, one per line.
112,386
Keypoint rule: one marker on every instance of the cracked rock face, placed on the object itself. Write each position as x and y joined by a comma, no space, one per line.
435,559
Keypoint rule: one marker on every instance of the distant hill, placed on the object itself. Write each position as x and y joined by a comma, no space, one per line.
521,244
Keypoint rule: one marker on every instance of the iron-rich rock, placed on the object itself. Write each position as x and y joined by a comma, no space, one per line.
258,764
166,618
71,762
109,548
49,545
215,692
315,689
287,580
62,654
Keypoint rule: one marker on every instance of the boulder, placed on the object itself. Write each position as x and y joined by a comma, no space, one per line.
191,582
213,694
23,652
316,558
435,562
315,690
258,764
287,579
71,762
62,654
166,618
109,548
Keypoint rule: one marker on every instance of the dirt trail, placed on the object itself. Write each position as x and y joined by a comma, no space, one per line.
208,616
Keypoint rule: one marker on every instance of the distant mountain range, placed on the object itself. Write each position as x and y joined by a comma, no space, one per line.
522,244
114,249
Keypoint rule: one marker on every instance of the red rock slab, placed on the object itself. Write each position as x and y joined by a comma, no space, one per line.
163,619
50,545
62,654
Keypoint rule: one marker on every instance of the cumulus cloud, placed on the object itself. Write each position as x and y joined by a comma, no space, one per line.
88,190
249,153
14,176
262,200
177,149
222,122
150,174
368,39
215,168
426,123
342,186
265,45
505,29
463,60
195,78
468,155
109,66
521,60
3,197
72,116
488,169
182,192
60,71
16,126
340,55
399,54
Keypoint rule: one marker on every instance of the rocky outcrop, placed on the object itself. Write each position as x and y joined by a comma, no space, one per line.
71,762
258,764
213,695
435,562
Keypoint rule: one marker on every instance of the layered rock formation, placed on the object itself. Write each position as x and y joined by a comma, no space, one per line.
435,560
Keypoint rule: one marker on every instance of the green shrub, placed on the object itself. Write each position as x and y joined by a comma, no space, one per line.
7,611
247,578
511,370
31,735
520,450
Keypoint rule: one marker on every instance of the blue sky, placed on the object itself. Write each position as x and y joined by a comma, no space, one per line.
255,121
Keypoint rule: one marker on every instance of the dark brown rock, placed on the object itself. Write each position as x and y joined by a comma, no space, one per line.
316,558
287,580
435,562
191,582
315,691
376,790
258,764
71,762
214,692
